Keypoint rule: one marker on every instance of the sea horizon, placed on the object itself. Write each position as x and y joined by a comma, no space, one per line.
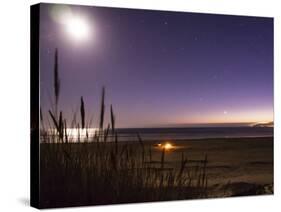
173,133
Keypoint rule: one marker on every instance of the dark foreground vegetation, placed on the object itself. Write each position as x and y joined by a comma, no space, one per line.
107,173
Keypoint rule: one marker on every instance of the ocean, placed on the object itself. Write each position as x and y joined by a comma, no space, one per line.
173,134
193,133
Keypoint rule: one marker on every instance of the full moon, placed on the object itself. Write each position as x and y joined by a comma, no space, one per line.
78,28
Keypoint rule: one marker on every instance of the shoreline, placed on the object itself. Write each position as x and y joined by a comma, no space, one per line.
175,140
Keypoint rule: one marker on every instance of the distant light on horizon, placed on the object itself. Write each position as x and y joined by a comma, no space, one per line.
239,115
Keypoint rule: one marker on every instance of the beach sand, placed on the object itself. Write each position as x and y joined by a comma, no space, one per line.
236,163
235,167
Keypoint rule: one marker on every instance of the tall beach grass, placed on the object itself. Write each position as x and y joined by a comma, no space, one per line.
99,169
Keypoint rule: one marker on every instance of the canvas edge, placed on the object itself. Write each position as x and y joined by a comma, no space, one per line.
34,106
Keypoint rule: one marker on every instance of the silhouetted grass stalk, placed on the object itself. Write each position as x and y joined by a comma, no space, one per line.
82,111
56,83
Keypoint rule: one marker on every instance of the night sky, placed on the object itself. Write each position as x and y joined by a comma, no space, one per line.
160,68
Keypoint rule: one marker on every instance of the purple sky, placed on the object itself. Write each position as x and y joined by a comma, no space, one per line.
161,68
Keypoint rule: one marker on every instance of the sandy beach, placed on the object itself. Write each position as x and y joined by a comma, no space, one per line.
240,162
232,167
229,159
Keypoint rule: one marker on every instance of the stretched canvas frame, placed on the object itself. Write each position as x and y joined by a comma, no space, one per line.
100,164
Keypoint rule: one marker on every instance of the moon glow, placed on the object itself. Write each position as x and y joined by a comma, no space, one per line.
77,28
